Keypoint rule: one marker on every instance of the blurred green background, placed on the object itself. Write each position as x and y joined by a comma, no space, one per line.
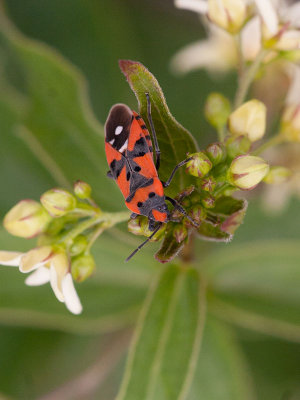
44,351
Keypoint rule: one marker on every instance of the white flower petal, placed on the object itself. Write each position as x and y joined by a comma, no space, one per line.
10,258
199,6
54,284
35,258
268,14
216,53
38,277
293,96
72,300
292,14
251,39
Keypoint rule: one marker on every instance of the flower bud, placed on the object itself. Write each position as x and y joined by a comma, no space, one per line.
246,172
208,201
216,153
26,219
217,110
290,123
208,184
82,267
58,202
249,120
79,245
197,213
180,232
277,175
137,225
82,190
228,14
237,145
199,166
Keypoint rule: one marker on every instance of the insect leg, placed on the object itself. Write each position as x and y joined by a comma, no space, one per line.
151,225
133,215
157,150
167,183
181,210
143,244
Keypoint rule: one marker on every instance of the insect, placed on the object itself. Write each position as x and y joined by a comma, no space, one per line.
129,153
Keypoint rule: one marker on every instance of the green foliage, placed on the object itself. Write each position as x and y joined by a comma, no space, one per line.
167,340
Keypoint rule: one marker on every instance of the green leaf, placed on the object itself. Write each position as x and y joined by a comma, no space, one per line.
167,340
222,372
169,247
257,286
56,122
211,231
175,141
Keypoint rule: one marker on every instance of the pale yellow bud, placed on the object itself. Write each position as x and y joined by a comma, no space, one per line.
249,120
246,172
228,14
277,175
82,190
58,202
26,219
290,123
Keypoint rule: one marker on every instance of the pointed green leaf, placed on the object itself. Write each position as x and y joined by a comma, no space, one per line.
167,340
256,285
175,141
222,372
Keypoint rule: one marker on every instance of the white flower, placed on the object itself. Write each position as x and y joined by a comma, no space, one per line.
219,52
46,265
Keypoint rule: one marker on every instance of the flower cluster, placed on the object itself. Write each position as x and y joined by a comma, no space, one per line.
66,227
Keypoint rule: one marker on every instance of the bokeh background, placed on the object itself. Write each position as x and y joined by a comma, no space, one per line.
45,352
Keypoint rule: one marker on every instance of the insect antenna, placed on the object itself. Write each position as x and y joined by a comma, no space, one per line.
143,244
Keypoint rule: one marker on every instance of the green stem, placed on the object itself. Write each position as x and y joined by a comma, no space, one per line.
274,141
94,236
247,78
107,219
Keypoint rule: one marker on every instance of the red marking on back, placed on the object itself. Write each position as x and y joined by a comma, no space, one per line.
111,153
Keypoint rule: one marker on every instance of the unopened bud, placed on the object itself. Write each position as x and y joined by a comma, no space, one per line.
228,14
58,202
208,184
82,267
249,120
216,153
199,166
137,225
290,123
79,245
180,232
217,110
26,219
208,201
197,213
277,175
82,190
246,172
237,145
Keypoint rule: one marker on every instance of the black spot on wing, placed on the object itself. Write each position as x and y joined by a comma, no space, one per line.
120,115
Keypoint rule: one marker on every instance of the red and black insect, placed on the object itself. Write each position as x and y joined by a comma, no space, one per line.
129,153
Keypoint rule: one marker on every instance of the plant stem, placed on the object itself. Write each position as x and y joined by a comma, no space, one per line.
247,77
274,141
106,219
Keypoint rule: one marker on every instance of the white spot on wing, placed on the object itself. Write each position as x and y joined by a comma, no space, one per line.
118,130
124,147
112,141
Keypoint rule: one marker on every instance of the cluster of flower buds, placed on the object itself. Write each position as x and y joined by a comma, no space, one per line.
66,226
